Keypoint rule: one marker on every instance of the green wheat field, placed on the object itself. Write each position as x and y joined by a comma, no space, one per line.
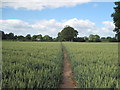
39,64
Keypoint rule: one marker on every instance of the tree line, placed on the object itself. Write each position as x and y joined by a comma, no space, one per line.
67,34
28,37
70,34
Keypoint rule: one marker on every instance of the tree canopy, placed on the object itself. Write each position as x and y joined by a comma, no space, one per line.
116,19
94,38
68,33
47,38
28,37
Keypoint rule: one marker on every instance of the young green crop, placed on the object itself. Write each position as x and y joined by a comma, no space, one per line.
95,65
31,64
39,64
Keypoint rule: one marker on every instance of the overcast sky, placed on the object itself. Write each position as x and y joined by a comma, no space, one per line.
50,17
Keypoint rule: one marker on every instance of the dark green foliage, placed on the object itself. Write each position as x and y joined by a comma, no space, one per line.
79,39
94,38
116,19
117,36
47,38
2,35
21,38
59,38
15,37
34,38
113,40
9,36
108,39
37,37
68,33
103,39
28,37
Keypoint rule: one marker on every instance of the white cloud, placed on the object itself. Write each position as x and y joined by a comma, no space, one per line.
52,27
44,4
108,28
41,4
15,25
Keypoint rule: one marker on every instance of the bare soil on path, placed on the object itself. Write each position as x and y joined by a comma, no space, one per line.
67,81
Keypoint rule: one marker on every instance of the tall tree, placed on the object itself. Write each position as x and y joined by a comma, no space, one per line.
21,38
94,38
28,37
68,33
39,37
2,35
10,36
116,19
34,38
47,38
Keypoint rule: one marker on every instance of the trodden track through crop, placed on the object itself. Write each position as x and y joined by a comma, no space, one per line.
67,81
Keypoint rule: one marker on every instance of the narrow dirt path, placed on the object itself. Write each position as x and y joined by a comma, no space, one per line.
67,81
